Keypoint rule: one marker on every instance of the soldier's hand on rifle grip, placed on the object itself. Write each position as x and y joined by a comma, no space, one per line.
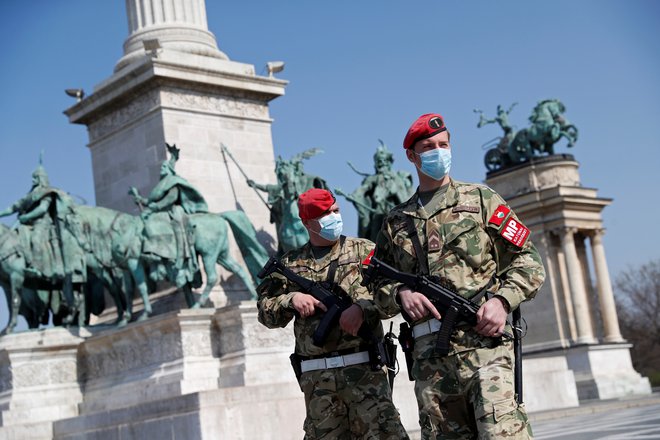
415,304
306,304
491,318
351,319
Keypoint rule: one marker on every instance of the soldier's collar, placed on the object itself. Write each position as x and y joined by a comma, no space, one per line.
335,251
414,208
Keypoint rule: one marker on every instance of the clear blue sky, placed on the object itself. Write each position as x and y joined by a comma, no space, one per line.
360,71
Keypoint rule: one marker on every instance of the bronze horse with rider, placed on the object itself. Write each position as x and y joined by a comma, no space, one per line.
548,126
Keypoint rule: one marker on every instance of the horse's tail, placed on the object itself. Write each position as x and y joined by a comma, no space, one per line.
253,252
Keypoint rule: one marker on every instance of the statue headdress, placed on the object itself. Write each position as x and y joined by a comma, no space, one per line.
40,171
384,152
174,156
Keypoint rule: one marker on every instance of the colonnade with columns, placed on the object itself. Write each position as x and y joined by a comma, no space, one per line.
587,321
576,304
573,348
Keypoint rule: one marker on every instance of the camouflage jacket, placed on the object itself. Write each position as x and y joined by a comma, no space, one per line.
276,292
472,238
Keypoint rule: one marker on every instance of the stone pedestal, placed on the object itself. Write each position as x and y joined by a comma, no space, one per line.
185,374
572,321
39,382
190,374
548,383
169,355
252,354
605,371
270,413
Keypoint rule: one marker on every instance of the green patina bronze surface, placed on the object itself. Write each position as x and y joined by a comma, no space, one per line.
378,193
548,126
61,256
292,180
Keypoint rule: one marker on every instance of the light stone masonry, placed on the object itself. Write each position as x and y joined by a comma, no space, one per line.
573,339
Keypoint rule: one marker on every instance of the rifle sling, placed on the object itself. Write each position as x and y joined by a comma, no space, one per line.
330,279
417,245
451,314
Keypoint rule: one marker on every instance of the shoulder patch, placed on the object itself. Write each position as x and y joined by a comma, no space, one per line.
515,232
368,259
466,208
499,215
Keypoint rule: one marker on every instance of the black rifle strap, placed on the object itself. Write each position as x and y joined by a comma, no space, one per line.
449,318
330,279
483,292
446,329
417,245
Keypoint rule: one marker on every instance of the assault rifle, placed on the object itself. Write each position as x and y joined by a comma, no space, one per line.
335,305
453,308
451,305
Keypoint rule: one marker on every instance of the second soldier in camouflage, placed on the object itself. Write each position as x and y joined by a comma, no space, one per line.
345,397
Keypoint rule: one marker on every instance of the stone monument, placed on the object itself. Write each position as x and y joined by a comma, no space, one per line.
574,349
174,85
185,374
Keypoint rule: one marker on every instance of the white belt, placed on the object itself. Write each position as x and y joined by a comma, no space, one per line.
426,327
334,362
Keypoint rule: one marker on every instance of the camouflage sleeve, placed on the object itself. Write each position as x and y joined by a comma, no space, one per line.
385,290
519,265
274,303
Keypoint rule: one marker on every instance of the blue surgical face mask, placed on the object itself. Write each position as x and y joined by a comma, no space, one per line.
331,226
436,163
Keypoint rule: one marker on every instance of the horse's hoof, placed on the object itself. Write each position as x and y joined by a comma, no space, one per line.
122,323
143,317
196,306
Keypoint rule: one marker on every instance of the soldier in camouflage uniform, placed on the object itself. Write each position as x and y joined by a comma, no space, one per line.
352,401
468,236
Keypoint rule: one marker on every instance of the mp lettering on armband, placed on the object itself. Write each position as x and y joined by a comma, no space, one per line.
515,232
499,215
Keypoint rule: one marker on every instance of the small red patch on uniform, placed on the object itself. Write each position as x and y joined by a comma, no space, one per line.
368,259
515,232
499,215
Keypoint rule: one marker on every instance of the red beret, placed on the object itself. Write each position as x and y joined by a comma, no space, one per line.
424,127
314,203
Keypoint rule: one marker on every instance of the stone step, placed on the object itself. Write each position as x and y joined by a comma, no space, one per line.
37,414
27,431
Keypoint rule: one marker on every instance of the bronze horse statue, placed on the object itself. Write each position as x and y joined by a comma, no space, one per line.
115,241
548,126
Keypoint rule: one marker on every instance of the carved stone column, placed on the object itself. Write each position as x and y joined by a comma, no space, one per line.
576,282
178,25
605,294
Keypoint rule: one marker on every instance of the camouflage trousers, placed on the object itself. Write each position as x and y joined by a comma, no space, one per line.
352,402
470,395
